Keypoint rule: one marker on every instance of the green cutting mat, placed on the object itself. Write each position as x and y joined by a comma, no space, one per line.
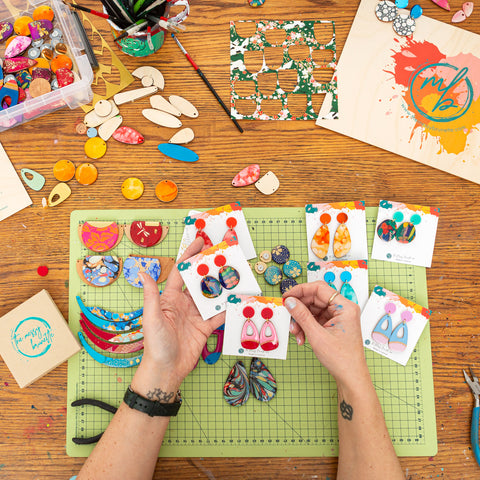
302,419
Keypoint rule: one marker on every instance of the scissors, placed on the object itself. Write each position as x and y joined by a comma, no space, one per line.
475,387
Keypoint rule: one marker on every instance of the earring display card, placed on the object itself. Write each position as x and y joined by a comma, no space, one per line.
236,332
280,68
405,233
338,273
382,329
35,338
336,231
216,227
205,266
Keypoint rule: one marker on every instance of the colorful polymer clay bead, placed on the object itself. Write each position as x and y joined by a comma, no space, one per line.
280,254
100,236
273,275
99,271
134,265
292,269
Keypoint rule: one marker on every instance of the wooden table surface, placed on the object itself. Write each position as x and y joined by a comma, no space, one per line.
313,165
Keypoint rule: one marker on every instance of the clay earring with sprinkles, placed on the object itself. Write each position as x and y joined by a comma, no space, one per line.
200,225
321,239
329,278
399,337
209,285
347,290
268,334
406,231
250,339
228,276
231,236
383,329
342,242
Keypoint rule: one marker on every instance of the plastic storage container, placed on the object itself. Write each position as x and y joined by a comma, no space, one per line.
73,95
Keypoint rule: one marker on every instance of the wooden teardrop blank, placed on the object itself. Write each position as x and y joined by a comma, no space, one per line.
184,106
161,118
185,135
106,130
160,103
131,95
62,191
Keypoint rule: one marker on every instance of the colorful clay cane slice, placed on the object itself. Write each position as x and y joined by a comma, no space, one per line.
126,336
262,384
157,267
107,314
146,234
321,239
130,347
342,242
237,387
247,176
210,286
108,361
128,135
99,271
100,236
386,230
228,276
211,357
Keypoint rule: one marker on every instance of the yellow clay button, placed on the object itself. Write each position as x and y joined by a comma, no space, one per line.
86,173
64,170
39,87
266,256
21,26
260,267
132,188
95,148
166,191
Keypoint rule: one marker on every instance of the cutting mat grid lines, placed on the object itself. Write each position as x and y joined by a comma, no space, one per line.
302,419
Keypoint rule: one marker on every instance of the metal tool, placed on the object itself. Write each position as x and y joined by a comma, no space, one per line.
475,387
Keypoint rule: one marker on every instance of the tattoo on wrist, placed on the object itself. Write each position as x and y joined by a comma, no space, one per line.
160,396
346,410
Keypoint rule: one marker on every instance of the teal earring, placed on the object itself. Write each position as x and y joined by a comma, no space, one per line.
399,337
383,330
329,277
347,290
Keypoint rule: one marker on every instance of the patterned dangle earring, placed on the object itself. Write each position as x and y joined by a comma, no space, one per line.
347,290
321,239
209,285
200,225
268,334
329,278
262,384
406,231
342,242
404,23
237,387
228,276
387,230
386,11
383,330
399,337
250,338
231,236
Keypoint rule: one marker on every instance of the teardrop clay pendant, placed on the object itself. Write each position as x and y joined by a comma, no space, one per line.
321,239
262,384
36,182
231,235
237,389
247,176
342,242
200,225
128,135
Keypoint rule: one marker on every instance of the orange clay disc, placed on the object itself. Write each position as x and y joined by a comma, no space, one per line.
41,63
325,218
20,26
166,191
64,170
7,42
132,188
86,173
43,12
61,61
95,148
342,217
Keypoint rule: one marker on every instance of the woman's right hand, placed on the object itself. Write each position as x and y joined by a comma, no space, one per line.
332,329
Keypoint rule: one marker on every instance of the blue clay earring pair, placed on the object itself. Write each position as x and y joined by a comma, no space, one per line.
397,338
346,289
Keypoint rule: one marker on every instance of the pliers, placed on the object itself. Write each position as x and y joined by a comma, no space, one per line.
475,387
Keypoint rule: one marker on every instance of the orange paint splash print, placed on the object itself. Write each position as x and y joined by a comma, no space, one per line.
441,92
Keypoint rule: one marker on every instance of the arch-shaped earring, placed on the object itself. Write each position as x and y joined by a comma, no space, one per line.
250,338
399,337
383,329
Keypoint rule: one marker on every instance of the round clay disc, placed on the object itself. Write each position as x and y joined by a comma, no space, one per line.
81,128
103,108
39,87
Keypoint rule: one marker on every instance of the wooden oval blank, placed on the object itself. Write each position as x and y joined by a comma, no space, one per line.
184,106
161,118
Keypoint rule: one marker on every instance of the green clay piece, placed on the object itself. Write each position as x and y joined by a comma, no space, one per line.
398,216
36,182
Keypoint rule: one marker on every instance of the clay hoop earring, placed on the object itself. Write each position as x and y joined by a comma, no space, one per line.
250,339
268,334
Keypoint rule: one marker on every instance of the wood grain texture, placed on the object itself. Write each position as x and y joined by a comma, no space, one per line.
313,165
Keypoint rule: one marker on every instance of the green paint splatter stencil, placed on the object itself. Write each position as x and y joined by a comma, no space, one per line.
281,70
301,420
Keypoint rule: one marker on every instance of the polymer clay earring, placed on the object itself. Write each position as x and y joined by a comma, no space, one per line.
212,357
406,231
347,290
329,278
209,285
268,334
237,388
342,242
99,271
262,384
200,225
231,236
100,236
383,330
321,239
386,11
399,337
228,276
404,23
250,338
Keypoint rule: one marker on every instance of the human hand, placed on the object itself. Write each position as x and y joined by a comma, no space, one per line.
332,329
174,330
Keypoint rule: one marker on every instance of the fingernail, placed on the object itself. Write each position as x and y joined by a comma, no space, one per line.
290,303
299,341
291,326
